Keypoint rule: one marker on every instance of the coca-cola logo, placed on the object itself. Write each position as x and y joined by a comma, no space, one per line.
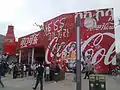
54,48
100,53
97,55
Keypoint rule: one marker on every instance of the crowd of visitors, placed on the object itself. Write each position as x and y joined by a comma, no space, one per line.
39,70
21,70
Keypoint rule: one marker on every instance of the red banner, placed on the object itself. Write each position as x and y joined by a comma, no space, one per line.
32,40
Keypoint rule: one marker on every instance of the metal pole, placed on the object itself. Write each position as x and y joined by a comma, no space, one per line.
78,55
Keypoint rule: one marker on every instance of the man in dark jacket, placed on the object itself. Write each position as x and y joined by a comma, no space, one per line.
1,72
15,71
40,71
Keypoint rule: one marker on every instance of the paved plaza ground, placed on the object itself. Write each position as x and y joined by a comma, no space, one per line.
67,84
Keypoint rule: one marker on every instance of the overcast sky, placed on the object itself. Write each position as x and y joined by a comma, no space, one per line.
24,13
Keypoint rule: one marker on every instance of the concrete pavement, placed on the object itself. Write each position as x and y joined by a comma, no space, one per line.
67,84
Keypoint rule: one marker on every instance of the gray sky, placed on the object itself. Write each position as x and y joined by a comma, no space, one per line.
24,13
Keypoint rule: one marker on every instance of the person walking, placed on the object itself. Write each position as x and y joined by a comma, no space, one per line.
34,70
47,73
51,72
21,70
3,68
74,71
92,69
10,68
40,71
1,72
24,70
87,71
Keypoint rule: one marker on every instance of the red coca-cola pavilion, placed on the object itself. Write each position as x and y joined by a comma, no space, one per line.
57,42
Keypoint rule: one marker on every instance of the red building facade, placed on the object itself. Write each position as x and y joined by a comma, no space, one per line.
58,40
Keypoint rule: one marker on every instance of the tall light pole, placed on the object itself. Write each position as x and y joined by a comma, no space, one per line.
78,54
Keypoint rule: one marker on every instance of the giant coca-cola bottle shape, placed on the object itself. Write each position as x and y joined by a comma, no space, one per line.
9,42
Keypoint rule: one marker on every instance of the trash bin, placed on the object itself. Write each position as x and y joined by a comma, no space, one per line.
102,83
62,75
59,76
97,83
56,77
92,82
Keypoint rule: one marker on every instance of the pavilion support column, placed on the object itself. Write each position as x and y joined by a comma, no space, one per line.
29,56
33,52
20,53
